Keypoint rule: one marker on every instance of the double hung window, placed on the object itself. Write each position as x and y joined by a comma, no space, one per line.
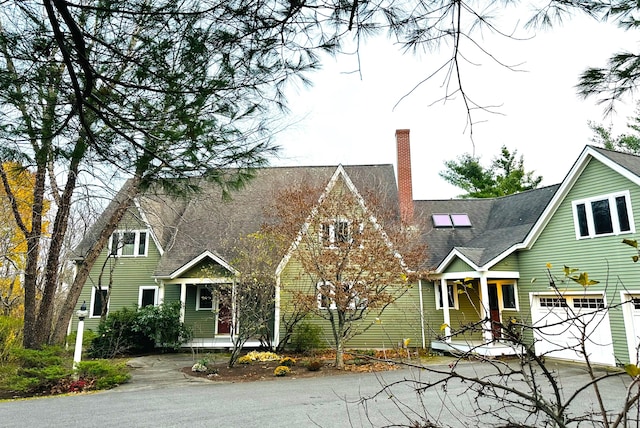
129,243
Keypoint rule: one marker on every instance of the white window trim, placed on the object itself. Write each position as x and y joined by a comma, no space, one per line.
214,302
93,301
614,215
332,305
136,243
148,287
456,303
331,224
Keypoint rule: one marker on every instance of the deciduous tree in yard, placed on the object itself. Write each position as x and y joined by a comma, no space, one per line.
13,245
349,251
251,297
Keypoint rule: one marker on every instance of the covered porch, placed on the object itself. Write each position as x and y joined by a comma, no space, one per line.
476,307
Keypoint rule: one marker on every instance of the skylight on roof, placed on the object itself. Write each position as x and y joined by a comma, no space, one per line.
460,220
451,220
442,220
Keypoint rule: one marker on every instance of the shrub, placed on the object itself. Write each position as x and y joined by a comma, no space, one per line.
162,325
103,374
245,359
314,365
262,356
31,358
10,335
117,336
281,371
131,331
38,370
287,362
307,337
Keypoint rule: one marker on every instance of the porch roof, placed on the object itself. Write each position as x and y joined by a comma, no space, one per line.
497,224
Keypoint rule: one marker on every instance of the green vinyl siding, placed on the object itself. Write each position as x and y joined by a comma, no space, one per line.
399,321
459,266
172,293
207,269
128,275
604,258
508,264
202,322
467,312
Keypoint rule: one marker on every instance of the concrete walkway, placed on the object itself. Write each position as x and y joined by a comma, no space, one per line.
159,371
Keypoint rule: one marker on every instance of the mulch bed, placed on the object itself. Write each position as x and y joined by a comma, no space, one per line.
263,370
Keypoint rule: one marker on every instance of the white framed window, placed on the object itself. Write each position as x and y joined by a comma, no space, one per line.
452,294
98,297
603,215
336,232
129,243
204,299
326,296
147,296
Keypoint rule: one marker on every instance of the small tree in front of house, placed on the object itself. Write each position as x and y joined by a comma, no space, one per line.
347,249
252,295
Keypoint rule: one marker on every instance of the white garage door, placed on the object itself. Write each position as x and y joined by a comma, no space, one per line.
631,313
563,323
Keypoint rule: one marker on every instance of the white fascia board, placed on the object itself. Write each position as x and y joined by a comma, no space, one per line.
339,172
572,176
455,253
196,260
143,216
567,184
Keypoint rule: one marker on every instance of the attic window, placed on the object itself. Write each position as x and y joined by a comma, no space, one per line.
451,220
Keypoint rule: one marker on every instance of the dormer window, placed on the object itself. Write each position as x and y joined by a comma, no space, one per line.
129,243
603,215
451,220
335,232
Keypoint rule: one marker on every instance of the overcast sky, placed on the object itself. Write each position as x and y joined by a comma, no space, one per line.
350,119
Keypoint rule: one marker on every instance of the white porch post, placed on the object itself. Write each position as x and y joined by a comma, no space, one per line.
183,300
444,293
486,314
161,292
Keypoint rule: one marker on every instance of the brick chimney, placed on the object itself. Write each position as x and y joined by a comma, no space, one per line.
405,186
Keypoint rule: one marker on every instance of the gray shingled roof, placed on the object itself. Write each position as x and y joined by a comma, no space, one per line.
626,160
497,224
206,222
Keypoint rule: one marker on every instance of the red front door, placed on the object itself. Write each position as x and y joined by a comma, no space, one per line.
494,311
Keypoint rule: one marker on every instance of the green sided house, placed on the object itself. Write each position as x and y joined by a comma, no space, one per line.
170,249
493,260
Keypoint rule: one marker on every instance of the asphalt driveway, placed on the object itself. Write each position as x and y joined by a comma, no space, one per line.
160,395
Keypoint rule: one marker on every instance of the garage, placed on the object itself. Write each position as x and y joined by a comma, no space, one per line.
631,312
561,322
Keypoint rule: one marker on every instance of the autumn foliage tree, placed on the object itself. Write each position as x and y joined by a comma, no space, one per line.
13,244
348,249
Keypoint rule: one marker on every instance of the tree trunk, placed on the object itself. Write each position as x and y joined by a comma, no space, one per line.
340,355
123,200
33,337
60,225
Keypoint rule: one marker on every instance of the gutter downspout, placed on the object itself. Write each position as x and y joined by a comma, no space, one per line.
424,342
276,314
